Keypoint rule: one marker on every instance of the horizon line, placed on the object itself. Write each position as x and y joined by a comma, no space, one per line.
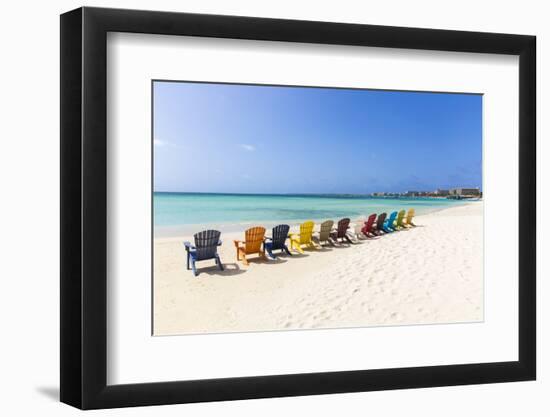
305,193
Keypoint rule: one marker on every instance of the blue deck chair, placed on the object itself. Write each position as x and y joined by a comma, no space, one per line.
389,224
206,247
277,241
379,230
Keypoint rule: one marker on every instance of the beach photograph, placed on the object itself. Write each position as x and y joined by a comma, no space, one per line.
284,208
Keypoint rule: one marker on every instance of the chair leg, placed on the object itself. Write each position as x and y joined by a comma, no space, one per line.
219,262
241,256
296,246
286,250
188,255
195,273
270,253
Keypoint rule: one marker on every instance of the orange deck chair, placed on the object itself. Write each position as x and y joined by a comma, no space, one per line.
253,243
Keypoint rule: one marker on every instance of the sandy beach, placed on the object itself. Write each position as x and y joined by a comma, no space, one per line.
429,274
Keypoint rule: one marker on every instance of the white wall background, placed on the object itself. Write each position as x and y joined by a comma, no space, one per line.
29,228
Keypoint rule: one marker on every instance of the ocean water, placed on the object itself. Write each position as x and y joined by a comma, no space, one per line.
192,212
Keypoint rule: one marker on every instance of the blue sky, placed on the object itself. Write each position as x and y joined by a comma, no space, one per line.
262,139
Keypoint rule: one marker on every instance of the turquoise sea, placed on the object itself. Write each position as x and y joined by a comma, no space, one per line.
176,213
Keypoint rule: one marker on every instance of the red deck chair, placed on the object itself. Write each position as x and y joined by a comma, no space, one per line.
368,228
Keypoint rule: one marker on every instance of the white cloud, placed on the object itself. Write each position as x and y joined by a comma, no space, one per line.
249,148
159,143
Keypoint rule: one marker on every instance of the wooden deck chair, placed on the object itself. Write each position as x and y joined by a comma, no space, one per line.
409,218
304,238
253,243
278,240
399,221
324,232
389,225
341,231
205,247
380,224
369,228
357,231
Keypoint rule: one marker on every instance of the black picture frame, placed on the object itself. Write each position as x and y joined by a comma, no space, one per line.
84,207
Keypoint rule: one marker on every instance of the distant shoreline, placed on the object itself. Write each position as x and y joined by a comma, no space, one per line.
316,195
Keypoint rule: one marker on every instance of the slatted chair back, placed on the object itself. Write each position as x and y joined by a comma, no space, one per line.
368,224
342,228
400,217
306,230
410,215
254,237
206,244
380,221
324,232
279,234
392,218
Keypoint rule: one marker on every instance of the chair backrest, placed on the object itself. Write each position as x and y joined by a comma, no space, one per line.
343,226
326,228
368,224
306,230
254,238
393,215
380,221
206,244
400,216
410,215
370,220
279,234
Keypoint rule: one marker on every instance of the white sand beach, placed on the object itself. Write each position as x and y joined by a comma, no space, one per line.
429,274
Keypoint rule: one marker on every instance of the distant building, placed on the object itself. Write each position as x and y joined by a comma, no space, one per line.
441,193
474,192
416,193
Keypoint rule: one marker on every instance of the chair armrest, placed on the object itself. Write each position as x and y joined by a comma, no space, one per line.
219,242
267,238
188,246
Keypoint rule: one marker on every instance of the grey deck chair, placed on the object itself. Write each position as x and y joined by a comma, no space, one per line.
324,232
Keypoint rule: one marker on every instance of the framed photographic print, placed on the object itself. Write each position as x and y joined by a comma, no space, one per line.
258,208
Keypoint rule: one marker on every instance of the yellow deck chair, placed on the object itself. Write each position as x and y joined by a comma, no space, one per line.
399,222
253,243
408,220
304,238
